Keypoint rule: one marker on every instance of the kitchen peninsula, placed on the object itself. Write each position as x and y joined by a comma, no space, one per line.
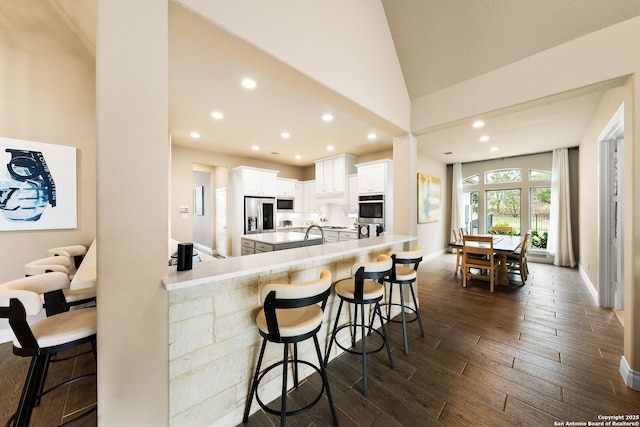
213,339
277,241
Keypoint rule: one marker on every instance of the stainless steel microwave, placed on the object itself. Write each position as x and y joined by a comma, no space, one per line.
286,204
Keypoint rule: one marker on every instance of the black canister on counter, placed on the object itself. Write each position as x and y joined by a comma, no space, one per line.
185,256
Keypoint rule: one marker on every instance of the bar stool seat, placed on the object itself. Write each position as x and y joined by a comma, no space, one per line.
291,314
43,339
405,272
364,288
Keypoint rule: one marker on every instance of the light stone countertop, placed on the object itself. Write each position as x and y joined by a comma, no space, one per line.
227,268
280,237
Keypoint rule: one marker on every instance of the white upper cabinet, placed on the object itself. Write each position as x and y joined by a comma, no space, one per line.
353,193
286,187
309,190
259,182
374,177
332,175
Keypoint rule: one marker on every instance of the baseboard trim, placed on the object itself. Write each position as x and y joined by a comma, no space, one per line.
631,378
590,286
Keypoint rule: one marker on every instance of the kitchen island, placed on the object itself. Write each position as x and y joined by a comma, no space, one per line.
213,338
277,241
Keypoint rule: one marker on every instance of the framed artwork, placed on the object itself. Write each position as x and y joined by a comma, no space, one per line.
429,189
198,200
37,186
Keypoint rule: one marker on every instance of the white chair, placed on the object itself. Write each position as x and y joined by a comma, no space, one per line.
363,289
75,252
291,314
44,338
61,300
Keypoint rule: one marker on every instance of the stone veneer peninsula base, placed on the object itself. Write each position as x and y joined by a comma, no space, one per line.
213,338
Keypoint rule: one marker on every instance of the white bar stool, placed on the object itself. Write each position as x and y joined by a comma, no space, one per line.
364,288
291,314
405,272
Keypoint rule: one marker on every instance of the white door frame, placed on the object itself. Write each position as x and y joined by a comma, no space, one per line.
610,240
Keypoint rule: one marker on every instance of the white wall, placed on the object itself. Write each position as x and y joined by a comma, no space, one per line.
434,237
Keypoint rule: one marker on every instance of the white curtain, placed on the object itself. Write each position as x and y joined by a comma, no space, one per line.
559,242
457,198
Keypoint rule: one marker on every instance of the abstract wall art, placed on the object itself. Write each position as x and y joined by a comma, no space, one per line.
429,202
37,186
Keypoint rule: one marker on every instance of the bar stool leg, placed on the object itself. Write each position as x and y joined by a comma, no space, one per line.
333,334
325,380
283,398
364,353
254,384
415,304
384,334
404,320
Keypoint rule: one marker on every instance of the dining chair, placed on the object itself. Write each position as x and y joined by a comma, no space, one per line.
479,260
500,229
458,251
517,262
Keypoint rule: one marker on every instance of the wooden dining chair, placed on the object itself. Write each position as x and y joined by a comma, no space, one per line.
457,236
499,229
517,262
479,260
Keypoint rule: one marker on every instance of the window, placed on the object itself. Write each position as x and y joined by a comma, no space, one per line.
540,207
516,193
504,175
503,209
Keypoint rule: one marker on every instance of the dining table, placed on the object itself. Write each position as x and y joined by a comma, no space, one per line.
503,246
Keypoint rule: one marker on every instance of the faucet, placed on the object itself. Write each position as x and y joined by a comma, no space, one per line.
306,235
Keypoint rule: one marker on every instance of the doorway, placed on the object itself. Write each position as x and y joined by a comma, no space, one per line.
610,216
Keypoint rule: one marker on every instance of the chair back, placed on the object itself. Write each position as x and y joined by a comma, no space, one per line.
374,270
501,230
73,252
414,256
288,296
523,245
21,298
48,265
477,245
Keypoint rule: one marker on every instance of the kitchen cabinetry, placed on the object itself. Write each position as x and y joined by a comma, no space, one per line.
310,204
353,194
286,187
343,236
298,203
374,177
330,236
259,182
332,174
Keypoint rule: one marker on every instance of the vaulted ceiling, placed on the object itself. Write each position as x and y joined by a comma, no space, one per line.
438,43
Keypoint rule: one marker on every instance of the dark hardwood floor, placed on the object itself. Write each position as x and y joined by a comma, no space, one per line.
58,406
526,355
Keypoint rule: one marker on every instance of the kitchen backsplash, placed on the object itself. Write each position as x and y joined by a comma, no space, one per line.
330,214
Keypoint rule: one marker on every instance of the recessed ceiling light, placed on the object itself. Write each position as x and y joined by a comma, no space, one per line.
255,148
285,135
249,83
194,135
478,124
298,157
327,117
329,147
371,136
217,115
493,148
484,138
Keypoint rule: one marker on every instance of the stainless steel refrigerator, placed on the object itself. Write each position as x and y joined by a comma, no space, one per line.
259,215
